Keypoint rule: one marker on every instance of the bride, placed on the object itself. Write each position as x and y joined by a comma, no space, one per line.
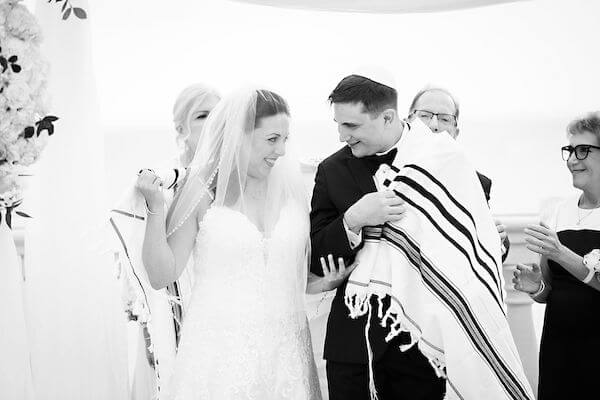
243,214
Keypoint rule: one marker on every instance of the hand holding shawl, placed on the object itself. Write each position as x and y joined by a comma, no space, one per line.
441,266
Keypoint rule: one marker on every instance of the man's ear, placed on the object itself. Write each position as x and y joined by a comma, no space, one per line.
389,116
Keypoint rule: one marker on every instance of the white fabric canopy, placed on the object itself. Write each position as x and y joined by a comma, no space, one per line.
75,318
380,6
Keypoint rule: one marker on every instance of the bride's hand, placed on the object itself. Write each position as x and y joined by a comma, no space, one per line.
150,186
334,276
527,278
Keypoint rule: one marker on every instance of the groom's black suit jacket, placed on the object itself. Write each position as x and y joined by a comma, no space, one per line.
341,180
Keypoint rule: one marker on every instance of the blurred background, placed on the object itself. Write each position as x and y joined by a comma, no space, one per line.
521,72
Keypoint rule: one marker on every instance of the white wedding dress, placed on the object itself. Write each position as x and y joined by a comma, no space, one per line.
246,335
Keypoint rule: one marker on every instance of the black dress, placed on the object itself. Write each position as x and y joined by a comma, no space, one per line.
570,346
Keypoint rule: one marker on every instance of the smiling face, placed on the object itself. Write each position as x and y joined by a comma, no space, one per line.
585,173
363,132
436,102
268,144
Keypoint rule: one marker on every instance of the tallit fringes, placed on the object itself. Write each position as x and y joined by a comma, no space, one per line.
372,388
380,309
357,304
438,366
389,314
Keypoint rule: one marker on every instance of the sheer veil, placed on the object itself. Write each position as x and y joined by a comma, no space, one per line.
222,169
191,99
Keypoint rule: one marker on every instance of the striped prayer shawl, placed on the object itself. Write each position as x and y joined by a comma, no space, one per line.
441,266
161,308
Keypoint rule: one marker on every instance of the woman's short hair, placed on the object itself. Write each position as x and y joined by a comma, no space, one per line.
590,122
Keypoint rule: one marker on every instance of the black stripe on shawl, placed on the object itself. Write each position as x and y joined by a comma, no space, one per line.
458,247
128,214
458,305
118,232
460,227
456,203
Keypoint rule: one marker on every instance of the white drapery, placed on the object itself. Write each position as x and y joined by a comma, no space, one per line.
15,368
75,319
379,6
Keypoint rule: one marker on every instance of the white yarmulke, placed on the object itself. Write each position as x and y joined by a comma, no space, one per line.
377,74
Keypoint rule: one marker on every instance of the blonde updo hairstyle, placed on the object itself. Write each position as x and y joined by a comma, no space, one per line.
188,102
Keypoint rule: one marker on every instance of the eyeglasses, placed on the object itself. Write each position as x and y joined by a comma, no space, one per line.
581,151
446,119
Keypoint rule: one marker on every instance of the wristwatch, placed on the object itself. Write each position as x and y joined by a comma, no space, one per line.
592,262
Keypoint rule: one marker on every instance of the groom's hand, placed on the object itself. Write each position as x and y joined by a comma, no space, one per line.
375,208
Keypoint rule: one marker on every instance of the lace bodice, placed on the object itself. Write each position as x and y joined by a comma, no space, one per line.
233,256
246,335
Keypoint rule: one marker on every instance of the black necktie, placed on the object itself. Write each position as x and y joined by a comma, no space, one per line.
373,162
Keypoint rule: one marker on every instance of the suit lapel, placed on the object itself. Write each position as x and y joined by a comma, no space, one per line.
361,174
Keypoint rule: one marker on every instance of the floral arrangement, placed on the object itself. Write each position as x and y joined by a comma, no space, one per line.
24,125
67,9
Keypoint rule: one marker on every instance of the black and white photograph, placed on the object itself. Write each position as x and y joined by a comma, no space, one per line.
299,199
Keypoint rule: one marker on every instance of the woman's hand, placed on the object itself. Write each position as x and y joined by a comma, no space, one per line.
150,186
527,278
333,276
544,241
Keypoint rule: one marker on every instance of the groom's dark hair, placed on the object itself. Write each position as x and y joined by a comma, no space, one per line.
374,96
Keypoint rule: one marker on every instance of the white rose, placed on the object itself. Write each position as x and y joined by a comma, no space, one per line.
5,169
13,156
11,134
3,152
25,116
17,94
27,151
22,24
14,47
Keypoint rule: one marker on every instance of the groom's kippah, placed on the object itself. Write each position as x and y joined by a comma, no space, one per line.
377,74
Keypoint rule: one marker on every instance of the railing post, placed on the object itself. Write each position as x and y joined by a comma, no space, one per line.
519,305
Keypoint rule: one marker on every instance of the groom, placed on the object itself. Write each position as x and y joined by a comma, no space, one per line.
344,201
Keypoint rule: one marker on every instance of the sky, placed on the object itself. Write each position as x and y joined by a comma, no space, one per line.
521,72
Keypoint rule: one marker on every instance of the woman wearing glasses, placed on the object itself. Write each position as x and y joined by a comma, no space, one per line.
566,278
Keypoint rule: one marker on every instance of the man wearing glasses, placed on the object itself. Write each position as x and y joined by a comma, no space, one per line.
439,110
